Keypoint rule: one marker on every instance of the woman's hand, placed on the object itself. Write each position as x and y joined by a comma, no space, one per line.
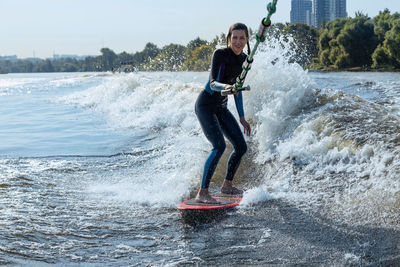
229,87
246,126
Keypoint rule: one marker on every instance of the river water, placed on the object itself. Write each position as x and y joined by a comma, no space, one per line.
92,166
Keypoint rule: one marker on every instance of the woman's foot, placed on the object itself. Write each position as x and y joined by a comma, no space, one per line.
228,188
204,197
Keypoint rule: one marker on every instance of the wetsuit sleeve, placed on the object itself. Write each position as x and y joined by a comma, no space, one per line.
217,69
239,104
217,86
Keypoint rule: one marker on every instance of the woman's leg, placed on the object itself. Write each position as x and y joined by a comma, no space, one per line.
232,131
212,130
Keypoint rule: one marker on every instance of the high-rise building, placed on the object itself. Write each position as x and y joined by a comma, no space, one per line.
319,12
341,9
327,10
301,11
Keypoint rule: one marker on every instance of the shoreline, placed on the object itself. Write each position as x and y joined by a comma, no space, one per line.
354,69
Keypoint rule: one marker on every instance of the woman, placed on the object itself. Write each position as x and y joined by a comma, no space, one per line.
215,118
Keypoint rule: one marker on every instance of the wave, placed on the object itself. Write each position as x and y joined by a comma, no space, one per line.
318,147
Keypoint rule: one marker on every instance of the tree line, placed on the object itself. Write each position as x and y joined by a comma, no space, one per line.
345,43
195,56
360,42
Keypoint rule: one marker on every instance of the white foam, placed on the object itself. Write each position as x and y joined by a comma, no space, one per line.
280,90
163,104
255,196
294,145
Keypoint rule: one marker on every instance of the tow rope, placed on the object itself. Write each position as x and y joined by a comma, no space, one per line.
260,37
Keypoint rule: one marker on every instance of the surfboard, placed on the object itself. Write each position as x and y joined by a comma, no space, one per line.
226,202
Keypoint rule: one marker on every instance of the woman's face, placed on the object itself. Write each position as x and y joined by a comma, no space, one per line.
238,41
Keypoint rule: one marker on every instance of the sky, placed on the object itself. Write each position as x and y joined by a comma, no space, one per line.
42,28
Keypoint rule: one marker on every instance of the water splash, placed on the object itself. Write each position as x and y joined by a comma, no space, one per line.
312,145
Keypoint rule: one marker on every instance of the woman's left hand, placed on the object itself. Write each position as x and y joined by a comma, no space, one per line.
246,126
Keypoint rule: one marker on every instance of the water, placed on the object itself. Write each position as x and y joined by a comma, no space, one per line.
92,167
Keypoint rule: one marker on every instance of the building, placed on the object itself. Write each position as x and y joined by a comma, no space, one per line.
301,11
317,12
327,10
340,9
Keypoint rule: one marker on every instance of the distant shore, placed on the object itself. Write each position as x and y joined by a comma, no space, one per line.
355,69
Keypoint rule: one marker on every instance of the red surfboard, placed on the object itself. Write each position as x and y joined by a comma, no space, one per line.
226,202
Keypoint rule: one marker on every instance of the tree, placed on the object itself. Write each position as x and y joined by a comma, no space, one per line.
361,14
327,42
380,58
392,42
124,58
305,42
141,59
192,45
92,64
170,58
382,24
201,57
219,40
347,42
387,29
107,59
191,59
358,40
45,66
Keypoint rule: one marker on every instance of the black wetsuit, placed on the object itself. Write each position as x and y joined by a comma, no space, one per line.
215,118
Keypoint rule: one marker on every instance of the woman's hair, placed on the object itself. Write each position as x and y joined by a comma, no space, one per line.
238,26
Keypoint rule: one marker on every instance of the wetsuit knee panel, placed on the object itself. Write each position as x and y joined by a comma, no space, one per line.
220,147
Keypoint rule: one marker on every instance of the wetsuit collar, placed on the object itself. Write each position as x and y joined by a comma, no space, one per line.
233,53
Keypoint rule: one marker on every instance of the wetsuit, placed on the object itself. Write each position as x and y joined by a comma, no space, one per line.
215,118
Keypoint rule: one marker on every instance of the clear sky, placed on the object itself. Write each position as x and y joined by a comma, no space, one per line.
83,27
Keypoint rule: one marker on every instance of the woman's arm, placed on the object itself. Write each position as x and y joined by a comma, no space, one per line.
217,71
239,106
239,103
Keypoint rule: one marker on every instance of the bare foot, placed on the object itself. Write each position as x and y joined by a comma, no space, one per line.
231,191
204,197
228,188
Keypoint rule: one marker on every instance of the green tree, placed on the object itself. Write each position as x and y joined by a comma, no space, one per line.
192,45
171,58
107,59
124,57
347,42
92,64
380,58
361,14
392,42
201,57
190,61
219,40
45,66
358,40
327,42
382,24
141,59
305,42
387,29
